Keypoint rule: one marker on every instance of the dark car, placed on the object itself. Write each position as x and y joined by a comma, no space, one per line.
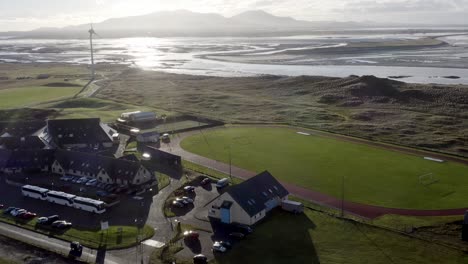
1,206
245,229
206,181
226,244
191,235
27,215
189,189
237,235
200,259
9,209
178,204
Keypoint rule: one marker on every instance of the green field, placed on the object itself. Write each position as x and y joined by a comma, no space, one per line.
317,238
372,175
33,95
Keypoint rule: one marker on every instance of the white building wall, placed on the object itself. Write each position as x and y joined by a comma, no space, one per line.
238,215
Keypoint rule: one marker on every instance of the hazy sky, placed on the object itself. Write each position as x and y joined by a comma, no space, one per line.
30,14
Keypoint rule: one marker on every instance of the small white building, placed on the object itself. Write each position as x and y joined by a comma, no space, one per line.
248,202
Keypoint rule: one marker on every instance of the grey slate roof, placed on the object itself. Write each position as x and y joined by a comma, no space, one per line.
253,193
78,131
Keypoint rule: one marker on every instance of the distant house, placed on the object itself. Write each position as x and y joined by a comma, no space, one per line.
79,133
64,162
248,202
104,169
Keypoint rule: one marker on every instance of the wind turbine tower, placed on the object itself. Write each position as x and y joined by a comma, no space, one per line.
91,33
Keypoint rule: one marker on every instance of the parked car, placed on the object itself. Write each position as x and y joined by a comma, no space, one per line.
92,182
178,204
206,181
1,206
189,188
75,179
47,220
101,185
187,199
226,244
165,138
237,235
244,229
17,212
217,247
82,180
61,224
102,193
9,209
28,215
191,234
200,259
222,183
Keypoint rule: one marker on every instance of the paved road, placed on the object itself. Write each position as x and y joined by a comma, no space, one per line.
50,244
363,210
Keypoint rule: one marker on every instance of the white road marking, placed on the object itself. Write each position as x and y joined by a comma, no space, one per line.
303,133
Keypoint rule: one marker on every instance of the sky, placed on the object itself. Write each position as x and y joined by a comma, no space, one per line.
31,14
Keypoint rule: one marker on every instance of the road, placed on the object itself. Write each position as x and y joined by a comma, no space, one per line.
51,244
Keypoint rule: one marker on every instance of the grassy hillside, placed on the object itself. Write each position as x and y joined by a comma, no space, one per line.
372,175
432,117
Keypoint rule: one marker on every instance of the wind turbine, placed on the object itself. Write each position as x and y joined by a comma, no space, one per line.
91,33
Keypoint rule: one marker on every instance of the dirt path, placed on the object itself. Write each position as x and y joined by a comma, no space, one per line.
363,210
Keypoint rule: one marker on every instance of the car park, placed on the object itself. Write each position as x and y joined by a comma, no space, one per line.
237,235
61,224
217,247
200,259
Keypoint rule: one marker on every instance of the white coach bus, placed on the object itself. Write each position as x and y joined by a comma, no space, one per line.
34,192
60,198
89,205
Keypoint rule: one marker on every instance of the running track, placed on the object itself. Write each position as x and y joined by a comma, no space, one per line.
362,210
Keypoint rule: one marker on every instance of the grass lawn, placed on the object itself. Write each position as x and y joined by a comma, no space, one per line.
32,95
314,237
113,238
372,175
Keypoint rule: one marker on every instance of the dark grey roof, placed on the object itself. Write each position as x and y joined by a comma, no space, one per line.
26,142
253,193
92,163
26,158
78,131
21,128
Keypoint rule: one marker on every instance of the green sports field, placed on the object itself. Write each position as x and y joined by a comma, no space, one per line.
372,175
32,95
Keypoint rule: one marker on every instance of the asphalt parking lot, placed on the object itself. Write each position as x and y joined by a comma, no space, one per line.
128,212
197,216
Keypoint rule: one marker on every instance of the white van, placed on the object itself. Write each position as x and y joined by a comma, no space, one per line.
222,183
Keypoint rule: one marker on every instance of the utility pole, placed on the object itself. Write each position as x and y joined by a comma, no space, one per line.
230,164
342,195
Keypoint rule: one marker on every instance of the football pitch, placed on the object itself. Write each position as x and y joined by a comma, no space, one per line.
372,175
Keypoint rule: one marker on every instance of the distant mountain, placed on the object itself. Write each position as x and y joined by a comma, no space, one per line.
187,23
